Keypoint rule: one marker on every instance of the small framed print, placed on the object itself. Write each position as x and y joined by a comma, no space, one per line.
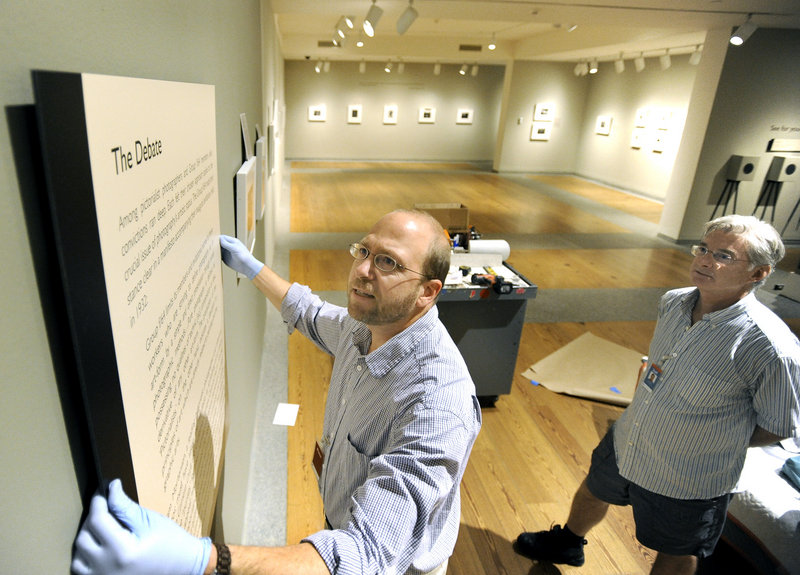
603,125
664,119
262,176
354,114
464,116
543,112
637,137
246,203
316,113
641,118
659,140
427,115
390,114
540,131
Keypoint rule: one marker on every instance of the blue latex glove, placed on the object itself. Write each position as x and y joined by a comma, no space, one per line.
237,257
119,537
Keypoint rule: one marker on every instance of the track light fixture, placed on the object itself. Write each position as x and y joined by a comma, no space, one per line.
371,20
664,60
694,58
619,64
326,66
743,32
318,66
437,69
593,67
362,67
492,44
463,69
638,62
388,67
401,67
360,41
344,25
474,70
406,18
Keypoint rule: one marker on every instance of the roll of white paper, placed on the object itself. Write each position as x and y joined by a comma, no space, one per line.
490,247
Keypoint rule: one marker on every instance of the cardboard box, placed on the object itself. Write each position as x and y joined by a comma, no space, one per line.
453,217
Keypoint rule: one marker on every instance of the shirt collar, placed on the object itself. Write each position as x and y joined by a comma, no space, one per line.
732,311
386,357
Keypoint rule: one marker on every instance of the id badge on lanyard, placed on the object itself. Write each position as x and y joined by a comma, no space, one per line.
651,376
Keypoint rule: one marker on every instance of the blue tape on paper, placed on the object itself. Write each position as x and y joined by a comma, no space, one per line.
615,389
534,382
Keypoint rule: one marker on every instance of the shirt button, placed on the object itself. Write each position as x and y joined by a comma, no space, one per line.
358,367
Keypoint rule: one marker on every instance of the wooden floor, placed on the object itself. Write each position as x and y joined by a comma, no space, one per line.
535,445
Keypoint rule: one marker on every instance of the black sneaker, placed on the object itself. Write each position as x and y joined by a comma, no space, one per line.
554,546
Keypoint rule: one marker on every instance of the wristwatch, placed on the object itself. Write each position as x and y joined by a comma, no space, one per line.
223,560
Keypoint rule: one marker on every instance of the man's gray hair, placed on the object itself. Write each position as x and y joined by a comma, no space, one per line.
764,244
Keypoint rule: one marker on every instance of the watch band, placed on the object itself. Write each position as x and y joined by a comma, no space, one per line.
223,560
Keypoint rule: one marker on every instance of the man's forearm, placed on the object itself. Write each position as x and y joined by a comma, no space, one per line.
271,285
301,559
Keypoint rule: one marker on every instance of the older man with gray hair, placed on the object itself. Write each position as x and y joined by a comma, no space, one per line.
722,376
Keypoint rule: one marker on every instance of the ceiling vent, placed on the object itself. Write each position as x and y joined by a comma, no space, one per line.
325,44
470,48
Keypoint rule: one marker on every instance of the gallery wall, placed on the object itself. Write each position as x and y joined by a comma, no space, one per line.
543,84
650,105
756,102
503,99
408,139
45,472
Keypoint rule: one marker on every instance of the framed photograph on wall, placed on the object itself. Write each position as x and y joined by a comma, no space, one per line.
659,139
316,113
464,116
262,176
390,114
541,131
543,112
603,125
664,119
354,114
246,203
427,115
637,137
641,118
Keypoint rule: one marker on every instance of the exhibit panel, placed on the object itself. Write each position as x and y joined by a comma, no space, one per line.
131,172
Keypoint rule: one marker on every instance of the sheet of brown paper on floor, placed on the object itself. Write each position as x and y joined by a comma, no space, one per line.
590,367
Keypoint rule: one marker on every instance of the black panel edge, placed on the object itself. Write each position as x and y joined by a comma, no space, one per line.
67,171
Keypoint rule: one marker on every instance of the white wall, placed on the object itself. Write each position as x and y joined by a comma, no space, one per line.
611,159
758,99
503,99
540,83
407,140
205,41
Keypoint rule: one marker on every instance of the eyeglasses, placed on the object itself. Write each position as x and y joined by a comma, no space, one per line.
382,261
721,257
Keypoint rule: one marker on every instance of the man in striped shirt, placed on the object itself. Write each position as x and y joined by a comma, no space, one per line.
401,417
723,375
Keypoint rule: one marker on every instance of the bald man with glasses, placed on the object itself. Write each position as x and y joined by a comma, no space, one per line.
723,375
400,420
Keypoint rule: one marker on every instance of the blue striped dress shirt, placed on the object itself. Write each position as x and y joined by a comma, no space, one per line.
687,437
399,426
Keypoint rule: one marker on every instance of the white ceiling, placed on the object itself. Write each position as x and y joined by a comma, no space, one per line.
524,30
